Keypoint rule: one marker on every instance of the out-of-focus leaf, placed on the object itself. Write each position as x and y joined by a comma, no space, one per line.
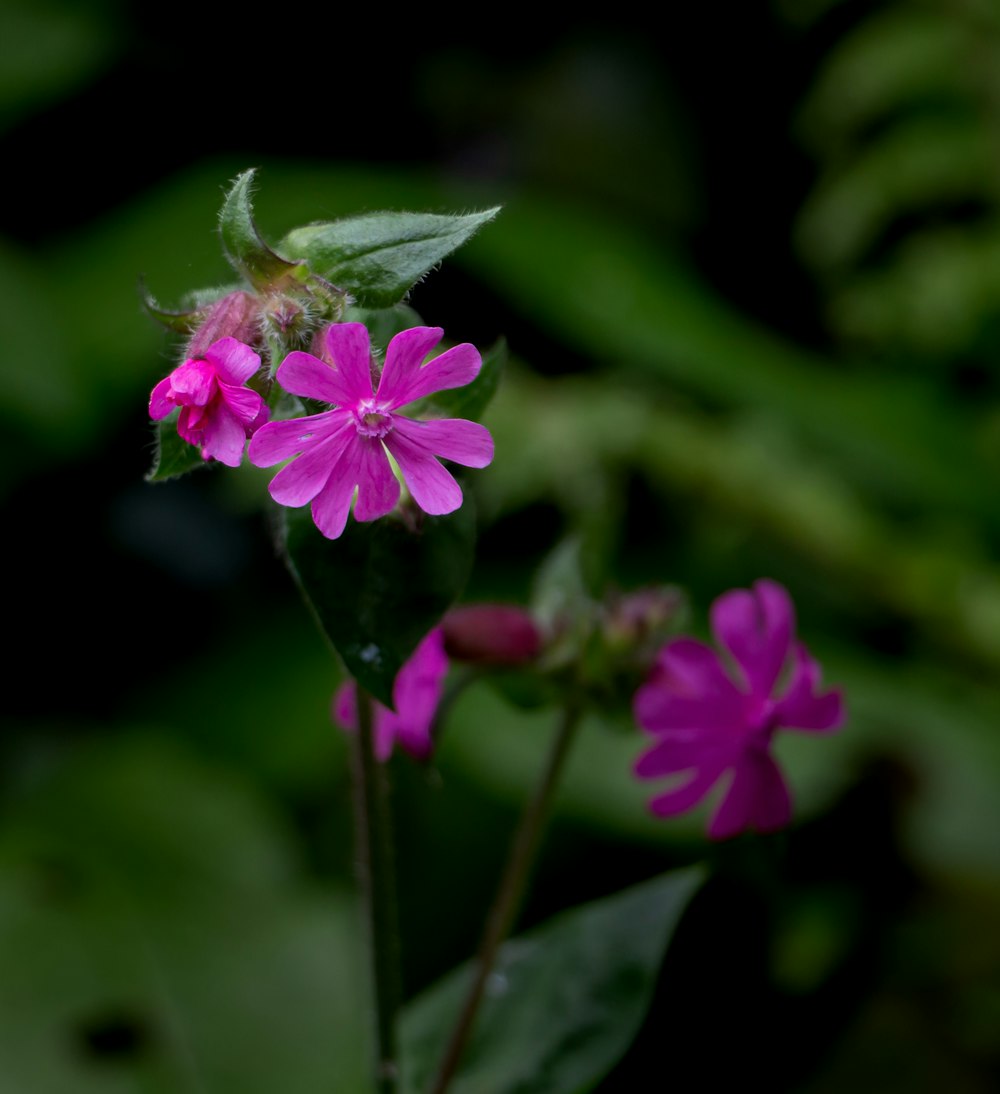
897,56
615,298
913,166
378,589
379,257
40,388
151,928
564,1002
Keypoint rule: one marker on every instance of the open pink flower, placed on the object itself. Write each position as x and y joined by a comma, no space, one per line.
416,692
346,447
217,412
707,720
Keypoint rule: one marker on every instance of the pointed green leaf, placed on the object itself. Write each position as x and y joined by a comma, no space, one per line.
564,1002
379,257
247,252
379,588
173,456
182,321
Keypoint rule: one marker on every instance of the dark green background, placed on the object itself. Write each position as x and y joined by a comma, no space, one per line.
749,271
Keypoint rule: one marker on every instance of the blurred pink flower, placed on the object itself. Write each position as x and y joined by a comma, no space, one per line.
416,692
348,446
217,412
708,719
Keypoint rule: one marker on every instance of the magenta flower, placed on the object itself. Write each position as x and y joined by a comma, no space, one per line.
416,692
708,720
347,447
217,412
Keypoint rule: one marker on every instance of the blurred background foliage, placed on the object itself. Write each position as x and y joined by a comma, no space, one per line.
749,272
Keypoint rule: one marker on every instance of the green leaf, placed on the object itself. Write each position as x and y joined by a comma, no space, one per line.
247,252
173,456
564,1002
379,588
379,257
181,321
152,900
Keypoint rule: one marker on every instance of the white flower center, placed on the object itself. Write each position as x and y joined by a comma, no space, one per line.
371,419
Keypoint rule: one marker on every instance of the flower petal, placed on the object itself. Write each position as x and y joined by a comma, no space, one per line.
223,437
235,361
688,689
193,383
684,797
757,798
416,693
378,488
332,504
276,441
404,379
756,626
347,347
465,442
433,488
345,706
801,707
307,474
303,374
673,753
243,402
160,403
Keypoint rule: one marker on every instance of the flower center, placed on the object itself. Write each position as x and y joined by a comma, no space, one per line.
761,721
371,420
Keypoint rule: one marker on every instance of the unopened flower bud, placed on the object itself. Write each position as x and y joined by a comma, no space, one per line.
491,634
632,619
233,316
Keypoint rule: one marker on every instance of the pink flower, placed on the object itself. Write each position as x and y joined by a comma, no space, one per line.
416,692
217,412
708,720
347,446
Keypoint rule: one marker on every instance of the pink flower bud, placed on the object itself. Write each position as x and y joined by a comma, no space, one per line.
233,316
491,634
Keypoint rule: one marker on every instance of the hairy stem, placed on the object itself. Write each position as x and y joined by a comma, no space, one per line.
377,875
510,895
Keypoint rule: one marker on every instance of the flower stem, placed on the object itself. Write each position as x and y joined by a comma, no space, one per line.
377,876
510,895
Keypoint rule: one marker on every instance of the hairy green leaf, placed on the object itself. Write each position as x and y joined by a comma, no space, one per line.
247,252
173,456
379,257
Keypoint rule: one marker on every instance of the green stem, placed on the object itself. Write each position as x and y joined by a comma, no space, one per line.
377,875
510,895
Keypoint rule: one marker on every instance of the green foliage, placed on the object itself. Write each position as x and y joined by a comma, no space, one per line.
173,456
378,589
246,251
379,257
902,226
152,928
564,1002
